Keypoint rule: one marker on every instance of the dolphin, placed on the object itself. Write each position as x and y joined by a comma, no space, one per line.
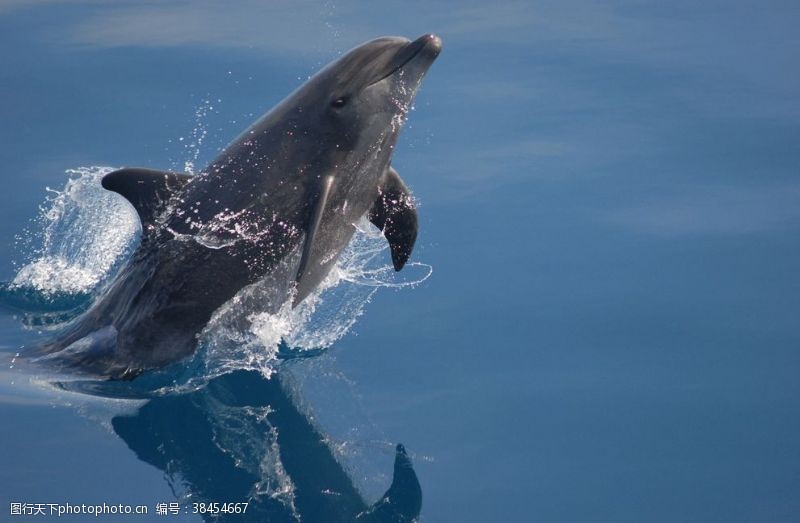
279,202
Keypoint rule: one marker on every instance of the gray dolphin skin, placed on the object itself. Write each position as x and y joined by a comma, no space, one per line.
279,202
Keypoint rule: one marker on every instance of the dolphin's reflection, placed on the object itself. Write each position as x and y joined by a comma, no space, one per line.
241,439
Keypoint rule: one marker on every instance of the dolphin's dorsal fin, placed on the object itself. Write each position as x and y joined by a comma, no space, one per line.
147,190
395,214
307,272
403,501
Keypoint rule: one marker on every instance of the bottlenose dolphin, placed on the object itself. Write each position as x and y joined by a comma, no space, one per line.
280,201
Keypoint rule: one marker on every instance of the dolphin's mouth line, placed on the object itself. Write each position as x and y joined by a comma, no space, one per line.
394,69
418,46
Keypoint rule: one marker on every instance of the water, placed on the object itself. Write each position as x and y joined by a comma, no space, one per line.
608,197
240,397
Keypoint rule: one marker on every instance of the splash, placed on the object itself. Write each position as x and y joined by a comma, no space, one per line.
87,233
75,253
253,330
193,143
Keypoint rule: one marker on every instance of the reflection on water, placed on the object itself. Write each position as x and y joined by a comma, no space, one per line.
241,439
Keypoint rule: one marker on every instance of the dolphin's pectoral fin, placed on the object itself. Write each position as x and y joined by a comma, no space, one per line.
403,501
147,190
310,269
395,214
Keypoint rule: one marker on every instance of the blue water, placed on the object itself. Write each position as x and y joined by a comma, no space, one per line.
610,207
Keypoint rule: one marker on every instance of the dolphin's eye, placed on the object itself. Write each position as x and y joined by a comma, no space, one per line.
339,103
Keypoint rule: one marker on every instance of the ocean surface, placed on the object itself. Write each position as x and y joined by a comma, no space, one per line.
599,321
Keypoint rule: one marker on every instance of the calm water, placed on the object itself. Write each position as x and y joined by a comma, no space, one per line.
610,205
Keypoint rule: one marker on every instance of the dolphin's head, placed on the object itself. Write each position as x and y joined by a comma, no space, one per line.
379,76
358,103
375,83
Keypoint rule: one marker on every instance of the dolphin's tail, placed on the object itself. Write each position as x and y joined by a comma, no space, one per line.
403,501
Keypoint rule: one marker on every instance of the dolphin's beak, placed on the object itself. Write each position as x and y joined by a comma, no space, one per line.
420,53
425,47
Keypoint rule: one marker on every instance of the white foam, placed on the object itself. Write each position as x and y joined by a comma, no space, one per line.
84,231
247,331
